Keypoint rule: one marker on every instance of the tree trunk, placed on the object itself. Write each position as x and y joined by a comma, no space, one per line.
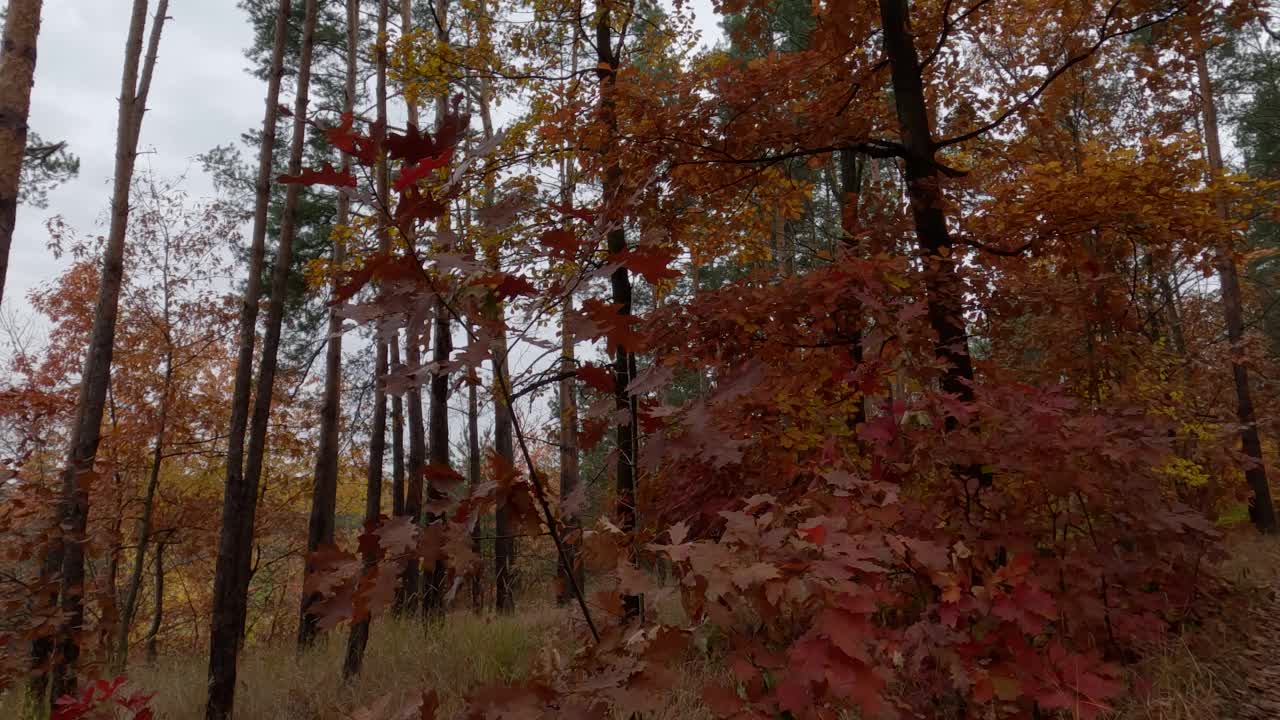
438,431
942,283
411,579
1261,508
17,75
358,639
850,194
569,470
504,543
240,501
157,606
87,426
624,363
397,432
324,492
134,589
473,478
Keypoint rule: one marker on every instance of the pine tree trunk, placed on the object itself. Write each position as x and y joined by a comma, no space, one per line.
624,363
157,606
438,431
358,639
17,75
411,579
850,194
504,544
473,478
324,492
240,502
1262,510
570,475
96,377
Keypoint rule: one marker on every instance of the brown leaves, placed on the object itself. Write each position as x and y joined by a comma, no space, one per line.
326,175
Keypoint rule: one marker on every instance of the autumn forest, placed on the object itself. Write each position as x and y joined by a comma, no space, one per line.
547,359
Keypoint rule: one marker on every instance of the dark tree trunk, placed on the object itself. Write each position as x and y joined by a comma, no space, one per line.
943,286
624,363
17,74
504,544
411,579
473,478
850,195
358,640
1262,510
442,347
96,376
240,501
324,492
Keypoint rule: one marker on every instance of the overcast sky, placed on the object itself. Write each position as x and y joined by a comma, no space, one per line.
200,97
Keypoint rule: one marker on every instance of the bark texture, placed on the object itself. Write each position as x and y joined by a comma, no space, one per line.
17,74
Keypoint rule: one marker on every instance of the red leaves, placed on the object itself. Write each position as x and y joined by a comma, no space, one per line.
347,140
600,319
649,261
326,175
597,378
103,700
411,174
561,243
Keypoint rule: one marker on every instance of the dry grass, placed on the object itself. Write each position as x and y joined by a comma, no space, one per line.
1208,672
1202,674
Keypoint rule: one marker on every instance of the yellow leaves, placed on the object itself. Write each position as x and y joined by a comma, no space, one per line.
1186,472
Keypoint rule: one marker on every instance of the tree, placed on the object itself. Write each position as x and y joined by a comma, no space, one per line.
17,74
231,581
320,530
87,425
359,636
1261,508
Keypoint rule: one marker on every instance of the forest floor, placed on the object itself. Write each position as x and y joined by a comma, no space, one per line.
1225,668
1222,668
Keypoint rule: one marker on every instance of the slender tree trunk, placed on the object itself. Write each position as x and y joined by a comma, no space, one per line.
157,605
397,433
438,431
358,639
568,397
96,377
570,476
473,477
134,588
240,502
1261,508
504,544
850,194
411,579
324,492
624,364
17,74
942,282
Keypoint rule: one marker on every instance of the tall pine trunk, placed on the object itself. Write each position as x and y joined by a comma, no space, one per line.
442,347
17,74
624,362
358,639
96,376
240,502
411,579
1261,508
504,543
473,478
324,491
570,570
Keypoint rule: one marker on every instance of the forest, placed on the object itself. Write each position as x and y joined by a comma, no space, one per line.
749,359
